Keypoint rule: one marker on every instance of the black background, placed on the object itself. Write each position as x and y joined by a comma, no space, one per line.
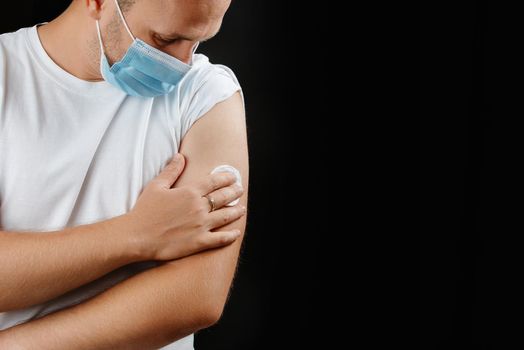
272,297
471,154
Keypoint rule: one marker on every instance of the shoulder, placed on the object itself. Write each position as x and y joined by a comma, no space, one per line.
13,41
203,87
206,79
13,49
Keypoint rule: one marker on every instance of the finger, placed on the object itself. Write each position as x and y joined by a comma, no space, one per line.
226,195
215,181
225,216
210,240
171,172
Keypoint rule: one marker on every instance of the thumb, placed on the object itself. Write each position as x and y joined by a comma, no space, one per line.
171,172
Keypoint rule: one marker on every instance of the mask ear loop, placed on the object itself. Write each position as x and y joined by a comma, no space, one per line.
131,34
123,19
193,53
100,38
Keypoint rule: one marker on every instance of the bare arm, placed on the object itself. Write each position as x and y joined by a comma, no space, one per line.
29,261
37,267
161,305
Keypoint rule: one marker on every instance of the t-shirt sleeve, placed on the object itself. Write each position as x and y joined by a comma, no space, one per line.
215,84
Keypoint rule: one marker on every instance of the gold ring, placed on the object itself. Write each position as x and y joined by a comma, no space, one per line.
211,201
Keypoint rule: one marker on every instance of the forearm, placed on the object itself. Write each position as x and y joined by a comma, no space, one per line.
168,302
36,267
147,311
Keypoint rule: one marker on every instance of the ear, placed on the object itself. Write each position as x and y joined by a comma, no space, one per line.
94,8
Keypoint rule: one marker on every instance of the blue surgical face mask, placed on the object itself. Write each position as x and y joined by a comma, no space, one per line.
144,70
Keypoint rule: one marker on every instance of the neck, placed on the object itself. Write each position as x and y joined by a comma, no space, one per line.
71,42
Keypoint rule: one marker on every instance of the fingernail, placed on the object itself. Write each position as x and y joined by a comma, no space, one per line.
236,233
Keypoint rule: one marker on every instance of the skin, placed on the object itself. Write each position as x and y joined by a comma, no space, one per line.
166,303
164,224
151,21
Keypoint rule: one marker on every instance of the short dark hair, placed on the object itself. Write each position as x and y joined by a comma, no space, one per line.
125,5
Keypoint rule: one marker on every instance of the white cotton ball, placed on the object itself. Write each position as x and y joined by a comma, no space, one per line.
234,171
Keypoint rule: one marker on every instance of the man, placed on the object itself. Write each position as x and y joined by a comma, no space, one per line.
101,247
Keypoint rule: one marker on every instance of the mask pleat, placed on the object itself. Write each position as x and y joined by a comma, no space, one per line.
150,67
141,83
144,70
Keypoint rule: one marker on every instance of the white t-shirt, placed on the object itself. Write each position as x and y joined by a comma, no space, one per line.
74,152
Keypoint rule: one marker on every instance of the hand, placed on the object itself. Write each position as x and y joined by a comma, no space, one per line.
170,223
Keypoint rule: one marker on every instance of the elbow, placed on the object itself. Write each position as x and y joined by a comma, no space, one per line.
213,301
204,314
211,312
215,296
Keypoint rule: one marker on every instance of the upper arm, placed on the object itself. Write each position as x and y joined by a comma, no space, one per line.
218,137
